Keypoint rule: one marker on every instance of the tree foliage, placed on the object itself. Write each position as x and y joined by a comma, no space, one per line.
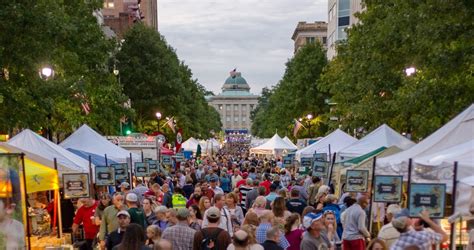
367,78
295,96
156,81
66,37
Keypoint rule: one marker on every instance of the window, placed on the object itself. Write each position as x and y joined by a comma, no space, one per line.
236,118
244,119
236,107
109,4
324,40
227,119
343,21
310,39
244,107
227,107
251,106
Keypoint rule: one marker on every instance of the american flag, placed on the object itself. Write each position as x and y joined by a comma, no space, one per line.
171,124
297,127
84,103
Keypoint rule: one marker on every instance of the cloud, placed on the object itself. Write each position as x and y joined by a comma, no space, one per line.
254,36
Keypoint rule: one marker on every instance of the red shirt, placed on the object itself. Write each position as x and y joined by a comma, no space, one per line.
85,215
241,182
209,193
266,184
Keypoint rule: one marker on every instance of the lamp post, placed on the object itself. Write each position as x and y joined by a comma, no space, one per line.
309,117
47,73
158,137
410,71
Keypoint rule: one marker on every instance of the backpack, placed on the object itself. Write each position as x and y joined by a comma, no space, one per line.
209,241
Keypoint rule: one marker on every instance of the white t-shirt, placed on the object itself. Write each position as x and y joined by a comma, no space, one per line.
13,233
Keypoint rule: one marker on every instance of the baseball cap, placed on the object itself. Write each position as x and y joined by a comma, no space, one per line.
125,184
213,179
403,213
310,218
245,175
132,197
123,212
393,209
213,212
400,222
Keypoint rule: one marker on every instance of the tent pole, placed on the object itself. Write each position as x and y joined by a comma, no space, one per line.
131,171
332,168
409,181
372,194
452,244
58,198
91,180
329,148
28,232
143,159
106,160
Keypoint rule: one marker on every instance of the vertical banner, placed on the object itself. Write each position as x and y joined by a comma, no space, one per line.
388,188
121,172
12,229
357,180
76,186
429,196
179,139
321,166
305,165
141,169
104,176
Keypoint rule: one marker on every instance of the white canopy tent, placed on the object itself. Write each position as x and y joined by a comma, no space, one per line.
190,145
275,146
88,140
290,143
255,142
338,140
383,136
208,146
457,131
465,196
33,143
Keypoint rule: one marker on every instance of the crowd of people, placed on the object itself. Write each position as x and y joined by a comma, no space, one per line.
235,202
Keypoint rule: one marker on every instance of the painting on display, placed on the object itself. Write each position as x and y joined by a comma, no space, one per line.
76,185
141,169
153,165
287,161
166,160
320,165
305,165
388,188
121,171
357,180
427,196
104,176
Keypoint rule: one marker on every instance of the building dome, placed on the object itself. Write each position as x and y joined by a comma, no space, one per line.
235,82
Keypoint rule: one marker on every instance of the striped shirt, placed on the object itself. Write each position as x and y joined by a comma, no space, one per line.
244,189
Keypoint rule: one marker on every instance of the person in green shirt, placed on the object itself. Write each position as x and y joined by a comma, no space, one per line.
137,215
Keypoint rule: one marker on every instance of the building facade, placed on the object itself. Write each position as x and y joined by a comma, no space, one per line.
234,104
120,15
309,33
340,16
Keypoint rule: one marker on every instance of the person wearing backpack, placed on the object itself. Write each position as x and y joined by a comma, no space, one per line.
212,237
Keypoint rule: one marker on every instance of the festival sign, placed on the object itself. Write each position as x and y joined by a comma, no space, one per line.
104,176
427,196
76,185
388,188
357,180
320,165
305,165
121,171
288,161
152,165
179,157
166,160
141,169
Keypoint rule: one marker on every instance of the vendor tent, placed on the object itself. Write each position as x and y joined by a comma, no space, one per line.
255,142
87,141
457,131
98,160
275,146
208,146
190,145
338,140
40,174
383,136
30,142
465,196
289,142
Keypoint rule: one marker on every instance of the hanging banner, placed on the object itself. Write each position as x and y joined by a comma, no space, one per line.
104,176
288,161
12,229
166,160
429,196
305,165
320,165
388,188
357,180
141,169
76,185
121,172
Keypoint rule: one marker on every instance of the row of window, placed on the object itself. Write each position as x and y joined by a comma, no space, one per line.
236,119
313,39
236,107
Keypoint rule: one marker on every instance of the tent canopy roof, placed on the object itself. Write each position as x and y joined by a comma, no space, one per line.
383,136
338,140
462,153
30,142
272,146
289,142
87,140
190,144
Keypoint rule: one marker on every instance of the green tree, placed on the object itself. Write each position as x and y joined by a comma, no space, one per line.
367,78
66,37
295,96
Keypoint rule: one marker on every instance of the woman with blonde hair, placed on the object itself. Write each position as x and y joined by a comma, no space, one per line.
319,200
259,206
330,228
204,204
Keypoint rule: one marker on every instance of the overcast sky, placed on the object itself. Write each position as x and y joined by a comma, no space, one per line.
215,36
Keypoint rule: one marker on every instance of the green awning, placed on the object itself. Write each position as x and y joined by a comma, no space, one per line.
361,158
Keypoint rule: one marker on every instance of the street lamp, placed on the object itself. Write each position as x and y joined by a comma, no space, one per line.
410,71
309,116
46,72
158,115
159,137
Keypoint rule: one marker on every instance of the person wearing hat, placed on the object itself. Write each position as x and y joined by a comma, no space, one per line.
136,214
110,222
180,235
124,188
388,233
213,185
424,239
212,235
225,223
115,237
313,238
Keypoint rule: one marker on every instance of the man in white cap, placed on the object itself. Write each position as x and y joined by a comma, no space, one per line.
225,222
115,237
388,233
136,214
212,235
109,221
313,238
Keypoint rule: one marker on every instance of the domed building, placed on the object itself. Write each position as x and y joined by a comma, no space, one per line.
234,104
